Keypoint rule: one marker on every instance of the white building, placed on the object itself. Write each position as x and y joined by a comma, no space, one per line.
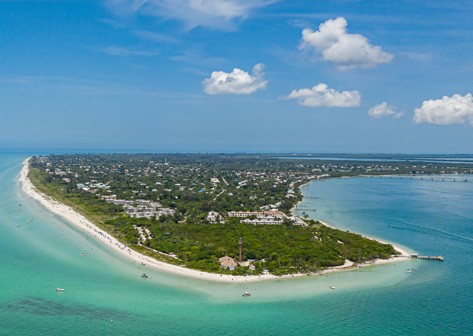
213,217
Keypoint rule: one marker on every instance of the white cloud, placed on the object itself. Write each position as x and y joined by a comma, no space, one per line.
215,14
125,7
235,82
446,111
321,95
384,110
346,51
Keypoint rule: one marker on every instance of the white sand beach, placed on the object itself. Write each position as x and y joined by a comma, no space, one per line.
88,227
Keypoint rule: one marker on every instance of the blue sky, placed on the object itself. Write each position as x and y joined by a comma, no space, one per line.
261,75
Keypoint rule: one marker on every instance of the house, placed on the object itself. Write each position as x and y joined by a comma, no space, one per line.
213,217
227,262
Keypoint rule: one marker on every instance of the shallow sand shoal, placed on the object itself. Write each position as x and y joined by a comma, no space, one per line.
91,229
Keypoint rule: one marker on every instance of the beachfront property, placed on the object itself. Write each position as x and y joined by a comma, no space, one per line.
228,263
141,211
140,208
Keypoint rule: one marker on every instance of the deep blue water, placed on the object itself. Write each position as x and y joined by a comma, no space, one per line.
428,217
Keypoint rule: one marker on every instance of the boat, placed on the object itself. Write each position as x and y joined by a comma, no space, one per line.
331,287
408,271
144,275
247,294
59,289
82,254
142,264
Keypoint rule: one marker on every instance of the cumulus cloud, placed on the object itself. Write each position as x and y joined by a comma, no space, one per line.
384,110
321,95
446,111
221,14
235,82
346,51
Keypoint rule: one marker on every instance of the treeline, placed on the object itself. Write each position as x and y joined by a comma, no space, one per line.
277,248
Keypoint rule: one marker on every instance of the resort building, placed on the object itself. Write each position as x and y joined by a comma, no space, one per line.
243,214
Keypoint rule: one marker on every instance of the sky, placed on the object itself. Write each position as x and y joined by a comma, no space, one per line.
238,75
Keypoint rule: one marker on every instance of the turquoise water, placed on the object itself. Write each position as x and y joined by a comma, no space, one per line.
423,216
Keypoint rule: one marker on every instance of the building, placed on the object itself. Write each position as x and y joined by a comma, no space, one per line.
227,262
259,214
213,217
269,220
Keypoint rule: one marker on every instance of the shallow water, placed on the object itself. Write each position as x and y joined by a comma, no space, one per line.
423,216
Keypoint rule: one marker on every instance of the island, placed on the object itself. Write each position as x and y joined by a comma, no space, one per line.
225,215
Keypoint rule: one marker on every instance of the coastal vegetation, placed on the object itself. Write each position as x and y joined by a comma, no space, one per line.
180,207
278,249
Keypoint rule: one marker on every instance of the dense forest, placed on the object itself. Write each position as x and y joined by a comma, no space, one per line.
278,249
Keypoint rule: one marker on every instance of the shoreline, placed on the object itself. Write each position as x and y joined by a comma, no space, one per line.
91,229
403,252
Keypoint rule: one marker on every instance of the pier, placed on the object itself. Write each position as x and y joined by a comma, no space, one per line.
415,256
424,178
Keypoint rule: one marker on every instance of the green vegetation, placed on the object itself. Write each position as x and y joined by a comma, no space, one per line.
277,248
86,204
161,205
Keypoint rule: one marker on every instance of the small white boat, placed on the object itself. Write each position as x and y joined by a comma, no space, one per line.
59,289
82,254
331,287
408,271
247,294
142,264
144,275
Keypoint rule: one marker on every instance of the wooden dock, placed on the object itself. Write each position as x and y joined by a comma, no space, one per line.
415,256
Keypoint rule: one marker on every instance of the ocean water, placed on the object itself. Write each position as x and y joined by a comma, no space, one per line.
427,217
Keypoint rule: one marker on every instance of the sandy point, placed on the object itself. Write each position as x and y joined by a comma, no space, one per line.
111,242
